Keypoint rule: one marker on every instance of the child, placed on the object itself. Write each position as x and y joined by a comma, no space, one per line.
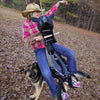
30,28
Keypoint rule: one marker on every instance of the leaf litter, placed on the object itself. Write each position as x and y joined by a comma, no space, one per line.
14,56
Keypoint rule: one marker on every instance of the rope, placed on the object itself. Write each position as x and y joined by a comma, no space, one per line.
41,6
48,58
26,2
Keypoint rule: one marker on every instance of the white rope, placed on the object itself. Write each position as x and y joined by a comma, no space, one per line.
26,2
41,6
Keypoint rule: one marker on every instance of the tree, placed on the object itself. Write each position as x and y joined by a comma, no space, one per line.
31,1
7,2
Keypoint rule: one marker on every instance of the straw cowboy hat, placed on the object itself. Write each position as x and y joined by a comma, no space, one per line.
31,8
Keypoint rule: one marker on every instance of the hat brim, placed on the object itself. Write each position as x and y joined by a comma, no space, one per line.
25,12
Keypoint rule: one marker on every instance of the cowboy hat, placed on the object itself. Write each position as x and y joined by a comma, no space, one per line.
31,8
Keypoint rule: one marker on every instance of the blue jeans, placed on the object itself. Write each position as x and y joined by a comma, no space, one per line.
69,54
44,67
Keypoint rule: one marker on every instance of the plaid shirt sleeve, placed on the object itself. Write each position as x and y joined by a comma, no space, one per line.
51,11
25,31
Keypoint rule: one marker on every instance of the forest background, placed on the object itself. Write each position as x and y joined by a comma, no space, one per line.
80,13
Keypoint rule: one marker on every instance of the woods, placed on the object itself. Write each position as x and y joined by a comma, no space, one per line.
80,13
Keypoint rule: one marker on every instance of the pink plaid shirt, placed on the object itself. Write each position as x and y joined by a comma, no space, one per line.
30,28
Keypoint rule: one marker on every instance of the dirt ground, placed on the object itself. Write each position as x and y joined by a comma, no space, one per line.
14,56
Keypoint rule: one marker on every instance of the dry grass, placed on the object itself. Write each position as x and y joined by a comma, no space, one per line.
14,56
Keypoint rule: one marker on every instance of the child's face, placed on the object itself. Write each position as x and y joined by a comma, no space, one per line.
36,14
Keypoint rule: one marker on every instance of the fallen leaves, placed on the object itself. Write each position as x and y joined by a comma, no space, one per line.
14,56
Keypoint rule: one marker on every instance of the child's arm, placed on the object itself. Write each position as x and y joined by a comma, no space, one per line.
54,8
51,11
25,32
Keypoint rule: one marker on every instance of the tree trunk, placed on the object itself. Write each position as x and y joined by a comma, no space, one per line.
79,18
92,22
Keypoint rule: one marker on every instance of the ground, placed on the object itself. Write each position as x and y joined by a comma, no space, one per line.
14,56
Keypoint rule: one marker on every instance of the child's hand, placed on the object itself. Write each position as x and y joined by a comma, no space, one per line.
61,2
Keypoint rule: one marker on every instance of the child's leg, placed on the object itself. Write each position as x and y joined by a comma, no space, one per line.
69,54
70,61
45,70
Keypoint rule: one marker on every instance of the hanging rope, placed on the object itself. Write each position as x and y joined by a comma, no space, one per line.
41,7
26,2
